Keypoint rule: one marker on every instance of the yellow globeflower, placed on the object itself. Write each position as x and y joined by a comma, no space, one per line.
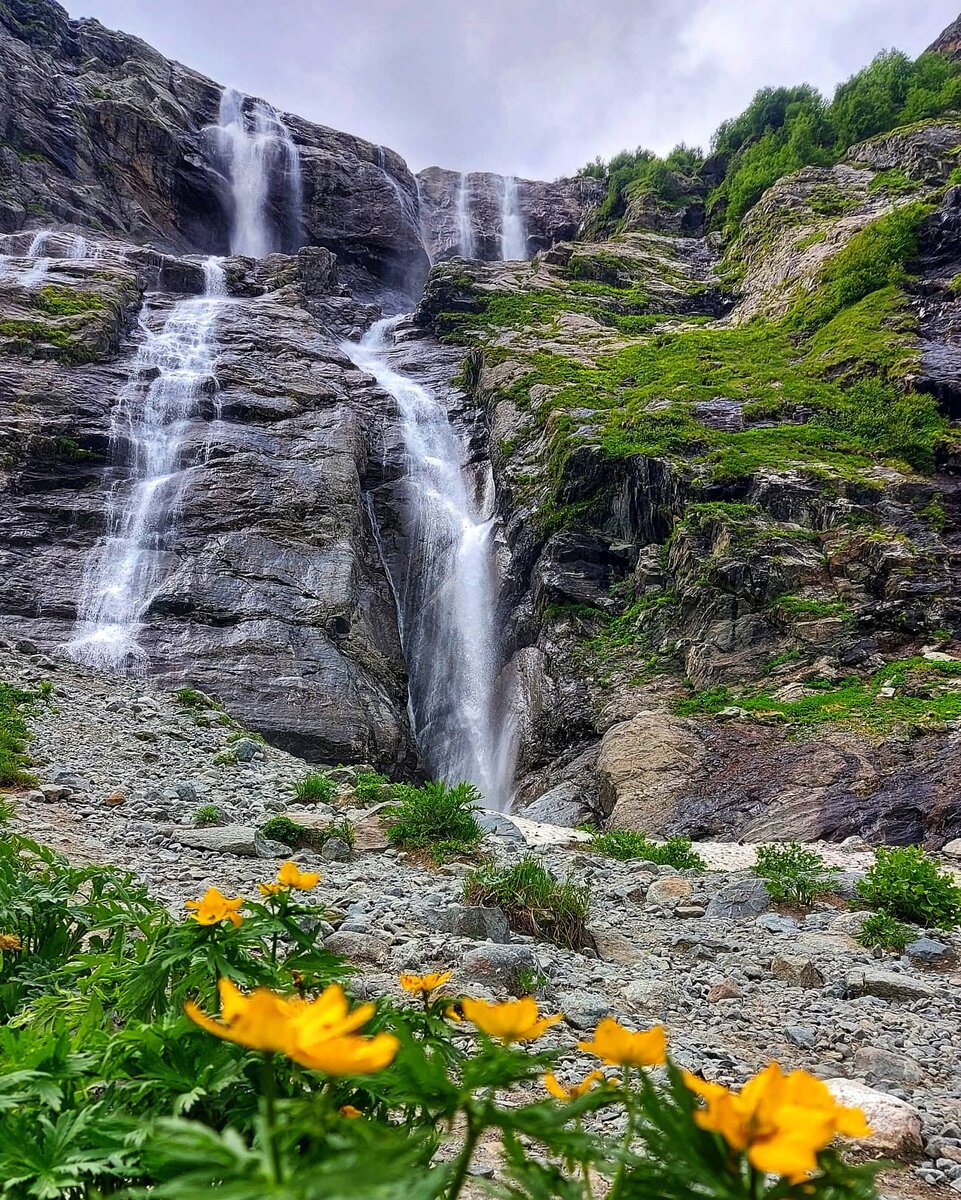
329,1015
614,1044
290,876
509,1021
215,907
260,1021
350,1055
425,983
571,1091
9,942
780,1121
348,1110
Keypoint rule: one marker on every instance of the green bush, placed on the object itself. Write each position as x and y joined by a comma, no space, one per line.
14,736
626,844
370,787
316,786
885,932
208,814
437,817
192,699
534,901
793,874
906,884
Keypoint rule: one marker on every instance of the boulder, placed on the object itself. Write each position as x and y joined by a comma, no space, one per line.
884,1066
243,840
501,968
796,971
358,947
895,1124
669,891
652,997
742,900
478,922
888,985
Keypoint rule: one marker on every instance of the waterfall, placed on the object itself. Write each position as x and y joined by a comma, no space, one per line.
253,160
409,207
148,434
447,590
465,230
41,264
513,236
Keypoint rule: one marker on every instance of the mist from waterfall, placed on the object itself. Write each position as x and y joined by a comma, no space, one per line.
513,234
466,246
447,586
149,426
261,164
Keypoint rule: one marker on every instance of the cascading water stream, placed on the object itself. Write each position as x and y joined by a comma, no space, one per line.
465,230
253,159
513,235
447,586
148,435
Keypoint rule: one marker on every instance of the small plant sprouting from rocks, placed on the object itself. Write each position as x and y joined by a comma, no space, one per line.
208,814
907,885
192,699
14,736
793,874
533,901
7,811
626,844
315,787
291,833
885,932
435,817
370,787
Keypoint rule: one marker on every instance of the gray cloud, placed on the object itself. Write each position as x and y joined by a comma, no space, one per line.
532,87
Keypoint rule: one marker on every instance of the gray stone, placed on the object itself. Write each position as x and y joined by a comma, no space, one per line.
886,1066
359,947
952,849
335,850
775,923
802,1035
243,840
796,971
889,985
497,823
930,952
481,923
583,1010
246,750
739,901
649,996
895,1124
501,968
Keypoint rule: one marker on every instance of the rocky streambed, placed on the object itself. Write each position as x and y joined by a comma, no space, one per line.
122,769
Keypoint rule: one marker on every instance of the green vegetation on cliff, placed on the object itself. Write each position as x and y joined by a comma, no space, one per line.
782,130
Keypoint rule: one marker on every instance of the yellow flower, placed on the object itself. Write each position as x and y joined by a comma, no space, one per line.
425,983
781,1121
573,1091
260,1021
509,1021
290,876
614,1044
320,1033
10,942
348,1110
214,908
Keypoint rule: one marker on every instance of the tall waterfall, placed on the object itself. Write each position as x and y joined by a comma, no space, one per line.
465,230
447,589
148,434
261,163
513,234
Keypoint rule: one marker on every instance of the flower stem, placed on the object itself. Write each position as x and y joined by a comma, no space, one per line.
464,1160
628,1135
270,1096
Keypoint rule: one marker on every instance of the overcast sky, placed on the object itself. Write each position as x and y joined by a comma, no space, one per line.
529,87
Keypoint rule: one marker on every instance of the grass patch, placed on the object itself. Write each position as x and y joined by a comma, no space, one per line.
534,902
436,817
927,694
370,787
66,302
627,844
208,814
315,787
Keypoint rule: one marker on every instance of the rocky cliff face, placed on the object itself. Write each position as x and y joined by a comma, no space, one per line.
551,212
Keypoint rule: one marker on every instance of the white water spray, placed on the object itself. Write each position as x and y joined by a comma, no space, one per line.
465,230
513,235
148,433
447,589
256,151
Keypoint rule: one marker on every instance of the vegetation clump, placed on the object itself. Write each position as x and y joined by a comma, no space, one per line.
436,817
308,837
793,874
315,787
208,814
14,736
370,787
883,932
626,844
905,884
534,901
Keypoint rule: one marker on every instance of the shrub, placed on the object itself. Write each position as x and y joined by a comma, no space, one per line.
370,787
884,931
436,816
793,874
534,901
208,814
906,884
317,786
301,837
14,736
626,844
